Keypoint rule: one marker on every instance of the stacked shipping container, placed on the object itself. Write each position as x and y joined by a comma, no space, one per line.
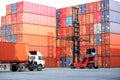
33,24
99,19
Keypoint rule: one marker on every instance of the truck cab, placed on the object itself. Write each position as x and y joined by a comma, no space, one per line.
36,59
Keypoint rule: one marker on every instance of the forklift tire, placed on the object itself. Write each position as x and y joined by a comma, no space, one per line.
72,66
96,67
90,66
39,68
81,67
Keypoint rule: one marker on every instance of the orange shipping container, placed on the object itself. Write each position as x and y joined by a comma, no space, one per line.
111,50
33,29
115,62
32,40
112,39
13,52
36,19
82,19
8,9
3,20
8,20
99,5
68,11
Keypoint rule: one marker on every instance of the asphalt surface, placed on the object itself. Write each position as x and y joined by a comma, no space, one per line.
63,74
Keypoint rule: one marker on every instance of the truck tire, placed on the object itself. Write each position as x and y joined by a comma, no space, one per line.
90,66
14,68
39,68
21,67
31,69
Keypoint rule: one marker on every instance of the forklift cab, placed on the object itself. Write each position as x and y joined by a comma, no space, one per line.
91,52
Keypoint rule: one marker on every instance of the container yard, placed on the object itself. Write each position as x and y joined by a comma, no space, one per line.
47,29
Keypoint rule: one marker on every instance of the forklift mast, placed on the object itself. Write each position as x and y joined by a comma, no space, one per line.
76,35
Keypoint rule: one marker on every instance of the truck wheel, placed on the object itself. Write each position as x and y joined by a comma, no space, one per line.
39,68
90,66
21,67
14,68
31,69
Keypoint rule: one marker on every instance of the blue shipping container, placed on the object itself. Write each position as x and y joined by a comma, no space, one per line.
63,62
82,9
13,38
69,21
97,39
8,38
111,27
14,11
8,28
110,5
111,16
3,33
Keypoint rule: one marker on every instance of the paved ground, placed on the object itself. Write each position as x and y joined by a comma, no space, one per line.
63,74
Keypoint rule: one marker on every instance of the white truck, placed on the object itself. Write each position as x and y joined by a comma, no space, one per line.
35,62
20,58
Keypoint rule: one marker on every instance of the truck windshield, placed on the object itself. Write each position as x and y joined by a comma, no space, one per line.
40,58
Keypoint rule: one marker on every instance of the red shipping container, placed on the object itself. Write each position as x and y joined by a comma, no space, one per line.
3,20
99,60
92,7
97,17
87,8
106,62
14,18
87,18
70,31
91,16
8,9
62,22
13,52
3,39
83,30
87,29
91,26
99,6
98,50
36,9
58,52
62,12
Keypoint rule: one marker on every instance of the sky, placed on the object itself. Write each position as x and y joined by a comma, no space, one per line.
53,3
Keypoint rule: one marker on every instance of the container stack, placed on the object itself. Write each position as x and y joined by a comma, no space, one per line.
65,29
33,24
110,33
101,21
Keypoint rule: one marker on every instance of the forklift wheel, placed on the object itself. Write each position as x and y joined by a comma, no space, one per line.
72,66
96,67
90,66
